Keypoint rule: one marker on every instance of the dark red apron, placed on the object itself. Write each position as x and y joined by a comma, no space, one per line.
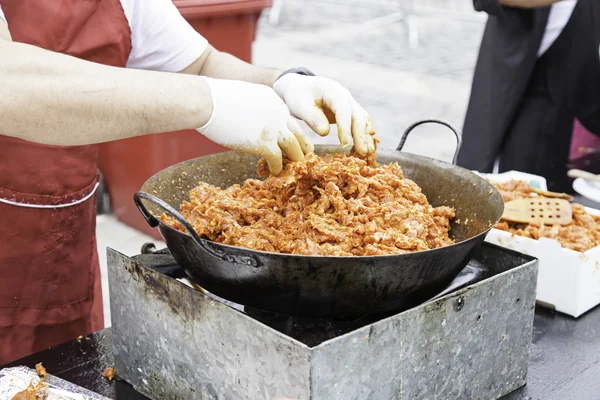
50,288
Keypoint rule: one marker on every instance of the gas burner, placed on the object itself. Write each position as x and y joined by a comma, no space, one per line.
308,330
170,341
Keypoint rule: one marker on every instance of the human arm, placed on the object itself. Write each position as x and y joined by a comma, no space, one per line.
56,99
220,65
162,39
318,101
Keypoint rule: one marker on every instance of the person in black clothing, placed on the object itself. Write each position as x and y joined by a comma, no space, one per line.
538,69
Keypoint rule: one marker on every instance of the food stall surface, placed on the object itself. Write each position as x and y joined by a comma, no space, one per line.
565,360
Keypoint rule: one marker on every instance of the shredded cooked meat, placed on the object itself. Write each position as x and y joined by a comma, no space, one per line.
334,205
580,235
41,371
32,393
109,373
37,392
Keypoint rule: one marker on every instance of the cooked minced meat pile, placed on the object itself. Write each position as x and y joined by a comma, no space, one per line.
334,205
582,234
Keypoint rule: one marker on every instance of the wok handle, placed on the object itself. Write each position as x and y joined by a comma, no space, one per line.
436,121
204,245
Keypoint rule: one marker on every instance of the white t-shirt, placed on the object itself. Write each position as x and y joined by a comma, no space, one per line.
560,13
161,38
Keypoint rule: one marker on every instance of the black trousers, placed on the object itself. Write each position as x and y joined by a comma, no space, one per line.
539,137
563,85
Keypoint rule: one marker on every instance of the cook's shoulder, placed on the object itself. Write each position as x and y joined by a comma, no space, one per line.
161,38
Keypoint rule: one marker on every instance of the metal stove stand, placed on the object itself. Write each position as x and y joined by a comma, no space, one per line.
173,342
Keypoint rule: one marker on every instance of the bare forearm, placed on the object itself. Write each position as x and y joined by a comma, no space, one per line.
528,3
55,99
216,64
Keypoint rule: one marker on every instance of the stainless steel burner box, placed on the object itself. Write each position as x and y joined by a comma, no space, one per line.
172,342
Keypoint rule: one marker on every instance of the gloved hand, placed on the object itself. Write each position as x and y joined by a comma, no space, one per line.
251,118
321,101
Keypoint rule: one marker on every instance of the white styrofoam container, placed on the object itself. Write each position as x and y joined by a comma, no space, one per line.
568,281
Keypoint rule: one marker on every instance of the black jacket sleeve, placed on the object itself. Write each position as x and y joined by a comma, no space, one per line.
492,7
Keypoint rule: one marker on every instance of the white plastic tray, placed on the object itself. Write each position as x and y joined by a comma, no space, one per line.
568,281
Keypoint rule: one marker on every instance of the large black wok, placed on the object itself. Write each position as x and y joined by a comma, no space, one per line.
324,286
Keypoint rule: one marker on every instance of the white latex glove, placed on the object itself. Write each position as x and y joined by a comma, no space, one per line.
320,101
251,118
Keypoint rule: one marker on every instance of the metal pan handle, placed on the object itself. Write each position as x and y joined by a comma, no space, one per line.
435,121
204,245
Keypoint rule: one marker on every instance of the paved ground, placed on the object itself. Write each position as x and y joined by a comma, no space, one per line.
398,84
